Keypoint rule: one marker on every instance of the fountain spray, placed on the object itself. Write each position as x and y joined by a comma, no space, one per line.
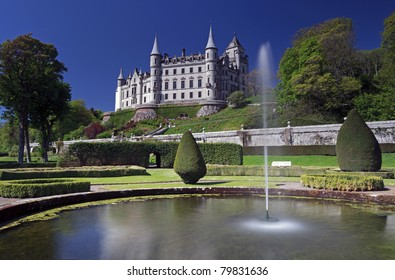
266,81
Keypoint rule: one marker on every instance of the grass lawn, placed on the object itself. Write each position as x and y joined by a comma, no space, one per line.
330,161
167,178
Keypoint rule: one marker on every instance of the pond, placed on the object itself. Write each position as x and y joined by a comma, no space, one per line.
209,227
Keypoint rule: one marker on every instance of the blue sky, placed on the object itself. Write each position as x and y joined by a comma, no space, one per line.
95,38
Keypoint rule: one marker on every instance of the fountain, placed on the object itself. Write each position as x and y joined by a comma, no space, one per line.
266,80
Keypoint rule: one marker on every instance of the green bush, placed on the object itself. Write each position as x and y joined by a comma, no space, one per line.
258,170
357,148
343,182
101,171
137,153
189,163
41,187
222,153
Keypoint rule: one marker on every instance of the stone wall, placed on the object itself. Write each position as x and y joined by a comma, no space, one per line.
281,136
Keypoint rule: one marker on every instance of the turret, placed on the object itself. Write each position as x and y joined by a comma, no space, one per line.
211,55
155,66
118,93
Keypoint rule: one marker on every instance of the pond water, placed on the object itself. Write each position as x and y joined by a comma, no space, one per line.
207,228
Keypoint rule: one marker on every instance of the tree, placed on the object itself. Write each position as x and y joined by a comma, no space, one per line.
28,69
357,148
50,105
189,163
318,77
237,99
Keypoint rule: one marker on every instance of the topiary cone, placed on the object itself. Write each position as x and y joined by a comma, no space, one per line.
189,163
357,148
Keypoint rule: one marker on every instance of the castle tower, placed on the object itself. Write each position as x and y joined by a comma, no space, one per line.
211,53
237,56
118,93
155,66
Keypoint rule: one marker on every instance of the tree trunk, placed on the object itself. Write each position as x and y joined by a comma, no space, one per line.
27,143
44,146
21,143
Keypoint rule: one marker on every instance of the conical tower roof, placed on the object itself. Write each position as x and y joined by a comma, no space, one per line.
235,43
155,48
120,77
210,42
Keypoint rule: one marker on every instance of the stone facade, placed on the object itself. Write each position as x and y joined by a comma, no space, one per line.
196,78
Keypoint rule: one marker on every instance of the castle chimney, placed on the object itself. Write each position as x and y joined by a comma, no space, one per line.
183,52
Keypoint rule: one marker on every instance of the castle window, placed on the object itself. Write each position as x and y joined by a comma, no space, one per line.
166,96
208,66
127,103
191,95
200,69
208,79
182,70
155,72
182,84
174,71
191,70
155,85
145,89
156,61
174,84
182,95
199,94
208,55
166,72
166,85
174,95
200,83
190,83
145,99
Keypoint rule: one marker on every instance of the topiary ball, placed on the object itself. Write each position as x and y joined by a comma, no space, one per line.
189,163
357,148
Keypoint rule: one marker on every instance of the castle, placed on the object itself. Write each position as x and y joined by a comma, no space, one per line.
195,78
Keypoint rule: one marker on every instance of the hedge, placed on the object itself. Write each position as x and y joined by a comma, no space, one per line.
258,170
41,187
137,153
102,171
343,182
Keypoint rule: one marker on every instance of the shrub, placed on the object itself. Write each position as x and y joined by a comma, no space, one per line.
222,153
41,187
189,163
100,171
237,99
357,148
343,182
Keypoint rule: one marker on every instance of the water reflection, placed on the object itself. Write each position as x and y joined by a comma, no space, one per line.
207,228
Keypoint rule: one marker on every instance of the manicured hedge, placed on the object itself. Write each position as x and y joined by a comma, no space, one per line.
41,187
258,170
137,153
102,171
343,182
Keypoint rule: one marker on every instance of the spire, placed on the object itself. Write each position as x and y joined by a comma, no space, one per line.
155,48
120,77
210,42
235,43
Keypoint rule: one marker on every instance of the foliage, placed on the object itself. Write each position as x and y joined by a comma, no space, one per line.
357,148
29,74
189,163
343,182
258,170
317,73
102,171
42,187
137,153
222,153
237,99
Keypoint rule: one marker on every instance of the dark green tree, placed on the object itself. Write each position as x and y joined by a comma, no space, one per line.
28,68
49,106
189,163
357,148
